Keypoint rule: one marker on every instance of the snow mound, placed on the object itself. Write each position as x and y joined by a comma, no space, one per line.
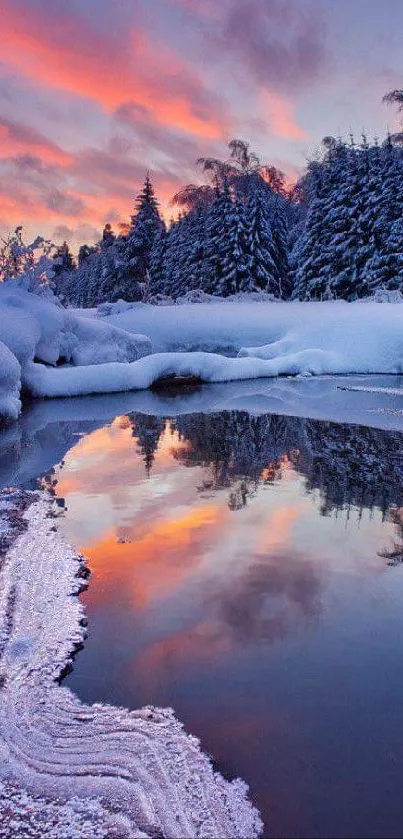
200,296
10,379
269,339
359,338
35,328
382,295
348,338
196,296
103,310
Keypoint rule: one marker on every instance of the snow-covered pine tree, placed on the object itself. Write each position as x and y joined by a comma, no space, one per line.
352,243
157,265
176,256
216,244
63,266
385,267
260,245
236,275
194,265
171,256
279,234
135,248
108,236
325,268
63,259
182,274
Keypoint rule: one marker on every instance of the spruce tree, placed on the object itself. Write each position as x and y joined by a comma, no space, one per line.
135,248
260,245
157,265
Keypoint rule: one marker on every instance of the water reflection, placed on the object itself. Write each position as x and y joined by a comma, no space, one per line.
351,466
241,575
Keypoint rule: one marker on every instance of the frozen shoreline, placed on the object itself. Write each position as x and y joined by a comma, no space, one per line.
46,351
67,769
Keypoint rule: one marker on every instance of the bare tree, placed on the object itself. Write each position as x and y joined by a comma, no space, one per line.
395,97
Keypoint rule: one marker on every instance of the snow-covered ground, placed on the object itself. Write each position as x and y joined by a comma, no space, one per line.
33,328
362,337
109,351
74,770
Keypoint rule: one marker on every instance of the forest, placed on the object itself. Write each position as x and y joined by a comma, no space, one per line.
335,234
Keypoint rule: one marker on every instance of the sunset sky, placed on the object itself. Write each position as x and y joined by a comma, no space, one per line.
92,93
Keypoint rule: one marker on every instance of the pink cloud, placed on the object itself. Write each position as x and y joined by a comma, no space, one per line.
68,55
278,112
17,139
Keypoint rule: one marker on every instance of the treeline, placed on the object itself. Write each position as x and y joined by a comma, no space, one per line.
337,234
352,242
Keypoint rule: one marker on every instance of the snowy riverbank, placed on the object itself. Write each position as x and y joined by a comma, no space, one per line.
71,770
49,351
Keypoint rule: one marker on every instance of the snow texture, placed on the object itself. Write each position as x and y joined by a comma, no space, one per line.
271,339
33,327
362,338
298,339
387,391
10,379
69,769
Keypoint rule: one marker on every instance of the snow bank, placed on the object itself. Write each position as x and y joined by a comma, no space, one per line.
271,339
139,375
339,338
364,338
301,339
33,327
69,769
10,380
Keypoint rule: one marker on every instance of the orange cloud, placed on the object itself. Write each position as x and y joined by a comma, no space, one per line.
67,55
23,208
18,140
280,116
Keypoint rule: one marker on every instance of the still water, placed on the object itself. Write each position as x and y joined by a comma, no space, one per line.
248,572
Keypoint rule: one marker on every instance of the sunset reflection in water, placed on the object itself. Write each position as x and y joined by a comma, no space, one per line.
237,576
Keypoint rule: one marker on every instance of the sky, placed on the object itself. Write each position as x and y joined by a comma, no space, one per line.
95,93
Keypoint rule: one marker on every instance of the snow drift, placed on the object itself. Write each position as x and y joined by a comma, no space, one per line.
10,381
199,340
364,336
34,327
297,339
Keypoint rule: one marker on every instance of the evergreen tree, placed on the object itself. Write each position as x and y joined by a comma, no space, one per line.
279,232
108,236
236,275
84,252
63,259
157,265
63,268
344,250
218,278
260,246
135,248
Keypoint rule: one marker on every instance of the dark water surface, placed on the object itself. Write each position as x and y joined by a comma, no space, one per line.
246,571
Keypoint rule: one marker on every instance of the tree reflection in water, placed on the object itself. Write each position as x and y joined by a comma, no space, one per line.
348,465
